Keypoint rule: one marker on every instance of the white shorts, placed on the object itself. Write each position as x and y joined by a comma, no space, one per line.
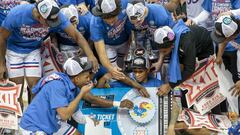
65,129
117,52
19,65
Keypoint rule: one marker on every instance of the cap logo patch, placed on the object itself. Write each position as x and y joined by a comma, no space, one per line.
139,61
170,36
227,20
44,8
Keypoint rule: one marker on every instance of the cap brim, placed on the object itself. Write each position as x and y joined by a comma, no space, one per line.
54,23
96,12
217,38
138,67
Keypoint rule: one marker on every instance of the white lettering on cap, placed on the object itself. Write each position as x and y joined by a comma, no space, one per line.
138,61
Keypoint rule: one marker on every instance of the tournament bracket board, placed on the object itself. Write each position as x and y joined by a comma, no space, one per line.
119,120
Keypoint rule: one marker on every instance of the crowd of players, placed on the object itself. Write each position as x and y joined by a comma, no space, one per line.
131,41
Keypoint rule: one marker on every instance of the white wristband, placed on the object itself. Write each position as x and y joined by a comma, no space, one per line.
116,103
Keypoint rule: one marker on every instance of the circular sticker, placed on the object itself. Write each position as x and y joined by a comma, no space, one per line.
227,20
44,8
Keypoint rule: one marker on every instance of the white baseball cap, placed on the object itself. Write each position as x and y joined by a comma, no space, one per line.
163,36
75,65
70,12
225,27
49,10
104,7
136,9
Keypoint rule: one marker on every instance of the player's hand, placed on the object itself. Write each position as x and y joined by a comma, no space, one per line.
189,22
235,89
219,61
116,73
164,89
95,63
3,70
143,92
156,67
126,104
86,88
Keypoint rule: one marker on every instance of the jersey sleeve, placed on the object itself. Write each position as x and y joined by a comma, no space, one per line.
63,25
8,22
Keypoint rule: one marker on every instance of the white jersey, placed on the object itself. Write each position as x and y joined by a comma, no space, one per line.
194,8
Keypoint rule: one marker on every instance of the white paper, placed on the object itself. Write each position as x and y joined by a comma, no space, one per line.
225,83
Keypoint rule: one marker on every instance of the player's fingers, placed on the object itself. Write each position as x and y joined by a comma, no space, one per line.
232,88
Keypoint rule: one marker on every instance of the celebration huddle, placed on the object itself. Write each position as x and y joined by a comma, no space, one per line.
119,67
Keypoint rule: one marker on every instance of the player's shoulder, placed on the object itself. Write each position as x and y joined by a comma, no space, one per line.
85,18
155,6
22,8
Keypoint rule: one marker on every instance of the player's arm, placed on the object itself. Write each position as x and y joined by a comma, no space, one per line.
101,83
4,34
66,112
81,41
221,48
100,48
174,116
142,90
107,103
